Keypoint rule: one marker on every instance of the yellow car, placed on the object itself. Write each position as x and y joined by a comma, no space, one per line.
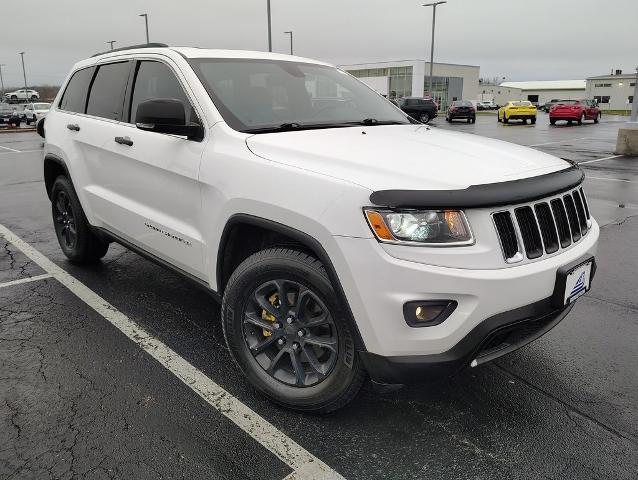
517,110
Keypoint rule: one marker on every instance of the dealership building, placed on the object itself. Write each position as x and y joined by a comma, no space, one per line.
410,78
540,92
612,92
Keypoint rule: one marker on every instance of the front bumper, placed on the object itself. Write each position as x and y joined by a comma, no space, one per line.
497,336
377,284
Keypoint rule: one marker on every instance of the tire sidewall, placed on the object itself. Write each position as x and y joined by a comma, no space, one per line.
242,284
77,252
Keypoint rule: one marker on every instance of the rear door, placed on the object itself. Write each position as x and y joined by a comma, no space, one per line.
148,182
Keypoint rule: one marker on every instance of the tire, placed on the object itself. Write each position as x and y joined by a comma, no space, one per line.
473,120
524,121
80,247
469,120
569,122
533,120
34,97
505,120
552,121
247,329
447,118
597,117
581,119
424,118
498,117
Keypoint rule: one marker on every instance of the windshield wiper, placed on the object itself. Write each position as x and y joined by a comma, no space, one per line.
374,121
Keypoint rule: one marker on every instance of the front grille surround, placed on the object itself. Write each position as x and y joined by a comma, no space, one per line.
544,227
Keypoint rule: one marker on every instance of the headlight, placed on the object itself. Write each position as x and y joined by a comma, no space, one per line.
420,227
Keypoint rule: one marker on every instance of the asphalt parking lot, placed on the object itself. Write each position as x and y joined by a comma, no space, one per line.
119,370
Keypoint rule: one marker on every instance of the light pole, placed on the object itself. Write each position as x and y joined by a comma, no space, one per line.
290,33
269,26
433,5
145,15
2,81
24,74
111,42
634,104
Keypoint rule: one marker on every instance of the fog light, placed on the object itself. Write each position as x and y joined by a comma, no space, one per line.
427,313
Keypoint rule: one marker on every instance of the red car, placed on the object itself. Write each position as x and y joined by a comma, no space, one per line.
574,111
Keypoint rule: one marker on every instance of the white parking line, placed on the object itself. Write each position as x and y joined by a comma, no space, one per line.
25,280
600,159
305,465
611,179
10,149
561,141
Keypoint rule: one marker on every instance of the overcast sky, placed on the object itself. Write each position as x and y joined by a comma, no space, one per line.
517,39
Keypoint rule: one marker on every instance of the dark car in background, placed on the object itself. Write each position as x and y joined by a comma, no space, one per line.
548,105
421,109
9,115
461,109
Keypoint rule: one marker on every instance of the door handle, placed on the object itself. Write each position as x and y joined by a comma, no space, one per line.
124,141
73,126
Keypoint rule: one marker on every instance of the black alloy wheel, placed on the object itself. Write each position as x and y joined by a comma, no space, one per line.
76,238
286,329
290,333
424,117
65,220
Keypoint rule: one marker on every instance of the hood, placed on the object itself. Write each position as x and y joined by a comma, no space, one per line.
411,157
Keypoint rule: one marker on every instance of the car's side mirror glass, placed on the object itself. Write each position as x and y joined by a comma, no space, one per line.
166,115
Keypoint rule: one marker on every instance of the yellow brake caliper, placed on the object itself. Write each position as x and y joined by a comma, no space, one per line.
274,301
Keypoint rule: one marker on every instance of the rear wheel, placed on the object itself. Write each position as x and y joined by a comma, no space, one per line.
552,121
524,120
473,120
424,117
597,117
77,241
533,120
288,334
505,120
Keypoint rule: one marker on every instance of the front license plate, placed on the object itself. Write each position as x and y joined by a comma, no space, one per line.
577,282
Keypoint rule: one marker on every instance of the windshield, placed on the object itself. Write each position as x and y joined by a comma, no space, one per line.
41,106
255,95
522,104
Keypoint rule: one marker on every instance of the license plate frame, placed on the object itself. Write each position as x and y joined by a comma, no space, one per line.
569,286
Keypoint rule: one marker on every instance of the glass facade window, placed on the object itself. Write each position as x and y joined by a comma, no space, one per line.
400,79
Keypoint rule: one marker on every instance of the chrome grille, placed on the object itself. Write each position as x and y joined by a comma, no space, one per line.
542,228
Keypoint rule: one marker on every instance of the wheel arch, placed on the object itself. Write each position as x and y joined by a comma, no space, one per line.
231,252
54,166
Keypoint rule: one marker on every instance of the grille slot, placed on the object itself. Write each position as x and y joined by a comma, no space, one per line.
562,224
572,216
506,234
581,212
582,194
529,231
547,227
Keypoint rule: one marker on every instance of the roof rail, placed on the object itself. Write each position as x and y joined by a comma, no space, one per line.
131,47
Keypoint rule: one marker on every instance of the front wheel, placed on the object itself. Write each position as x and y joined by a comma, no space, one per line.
505,120
581,119
473,120
597,117
424,118
288,333
77,241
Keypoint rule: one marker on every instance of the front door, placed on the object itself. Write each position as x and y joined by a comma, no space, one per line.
148,182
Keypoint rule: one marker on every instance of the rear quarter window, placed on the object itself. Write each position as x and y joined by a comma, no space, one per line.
74,96
106,97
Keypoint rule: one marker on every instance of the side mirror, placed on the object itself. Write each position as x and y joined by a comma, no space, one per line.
39,127
166,115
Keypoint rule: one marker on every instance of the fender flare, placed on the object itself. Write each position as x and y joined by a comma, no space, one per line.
306,240
50,157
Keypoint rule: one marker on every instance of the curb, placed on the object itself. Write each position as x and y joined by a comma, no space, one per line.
16,130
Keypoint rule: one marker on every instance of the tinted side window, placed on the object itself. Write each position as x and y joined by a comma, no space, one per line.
106,98
74,97
156,80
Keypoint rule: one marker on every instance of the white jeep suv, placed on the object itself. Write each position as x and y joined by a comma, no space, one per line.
343,238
